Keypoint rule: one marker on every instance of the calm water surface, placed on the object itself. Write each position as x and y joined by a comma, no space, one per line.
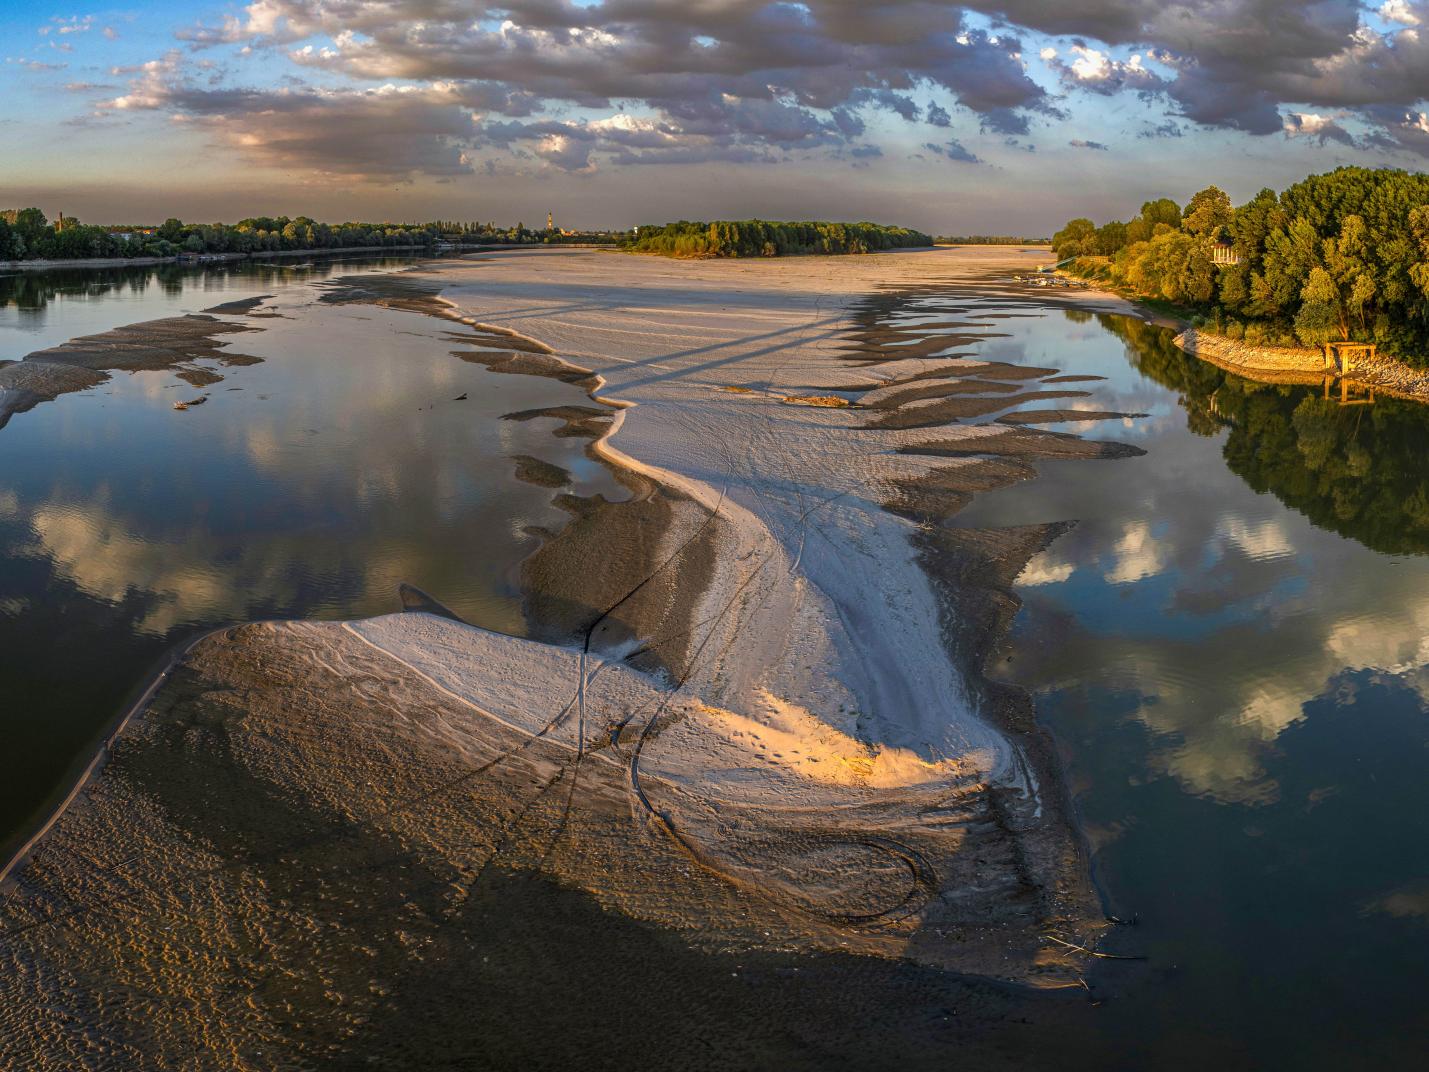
1231,649
311,484
1230,646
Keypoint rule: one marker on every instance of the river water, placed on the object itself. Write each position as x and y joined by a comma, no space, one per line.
310,485
1230,646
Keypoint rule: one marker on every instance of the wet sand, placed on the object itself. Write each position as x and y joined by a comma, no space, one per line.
85,362
755,717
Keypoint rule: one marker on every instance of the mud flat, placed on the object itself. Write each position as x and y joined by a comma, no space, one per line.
754,719
173,343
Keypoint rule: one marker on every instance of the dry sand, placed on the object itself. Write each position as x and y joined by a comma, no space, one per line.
754,715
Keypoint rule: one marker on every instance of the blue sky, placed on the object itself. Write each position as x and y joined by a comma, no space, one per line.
1007,115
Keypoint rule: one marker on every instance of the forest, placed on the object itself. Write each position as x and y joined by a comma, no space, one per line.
1338,256
762,238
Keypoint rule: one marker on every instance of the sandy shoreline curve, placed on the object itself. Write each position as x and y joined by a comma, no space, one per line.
754,713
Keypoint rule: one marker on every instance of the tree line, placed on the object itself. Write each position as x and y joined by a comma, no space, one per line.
763,238
1339,256
990,240
26,234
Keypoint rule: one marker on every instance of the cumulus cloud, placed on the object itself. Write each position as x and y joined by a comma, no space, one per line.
770,79
1322,128
1399,11
383,133
1238,64
750,79
1097,72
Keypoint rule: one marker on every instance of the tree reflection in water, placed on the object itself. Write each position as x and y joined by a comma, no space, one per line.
1354,470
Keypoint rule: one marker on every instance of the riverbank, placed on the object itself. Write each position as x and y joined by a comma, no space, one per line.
778,256
1275,364
758,720
1304,365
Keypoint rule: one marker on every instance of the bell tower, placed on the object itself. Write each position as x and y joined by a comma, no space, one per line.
550,221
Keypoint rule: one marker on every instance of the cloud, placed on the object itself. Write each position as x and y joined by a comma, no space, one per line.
383,134
768,80
953,150
1399,11
1169,129
748,78
1322,128
1078,143
1096,72
72,25
36,65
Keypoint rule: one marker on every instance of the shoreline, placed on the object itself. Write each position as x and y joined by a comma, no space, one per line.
205,258
20,267
1277,364
1303,365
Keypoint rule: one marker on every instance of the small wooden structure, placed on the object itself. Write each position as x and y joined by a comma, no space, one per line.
1341,356
1345,398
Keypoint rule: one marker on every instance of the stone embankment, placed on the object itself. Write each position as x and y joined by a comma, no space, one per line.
1302,364
1239,356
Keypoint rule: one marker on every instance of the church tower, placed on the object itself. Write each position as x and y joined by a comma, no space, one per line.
550,221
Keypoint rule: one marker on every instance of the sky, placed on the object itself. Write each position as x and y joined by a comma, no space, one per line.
1007,116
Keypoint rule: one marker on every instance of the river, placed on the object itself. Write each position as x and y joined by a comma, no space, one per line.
1229,646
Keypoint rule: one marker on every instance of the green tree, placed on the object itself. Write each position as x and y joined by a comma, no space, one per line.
1072,240
1208,213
